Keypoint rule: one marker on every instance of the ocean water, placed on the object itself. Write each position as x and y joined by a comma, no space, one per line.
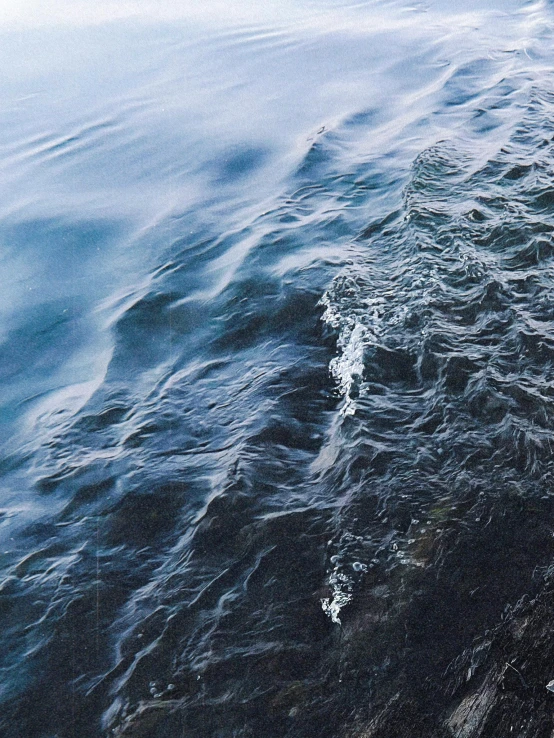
277,358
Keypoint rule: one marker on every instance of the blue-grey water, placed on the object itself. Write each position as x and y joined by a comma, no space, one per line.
277,357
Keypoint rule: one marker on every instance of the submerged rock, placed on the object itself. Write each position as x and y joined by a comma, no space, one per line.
145,719
494,689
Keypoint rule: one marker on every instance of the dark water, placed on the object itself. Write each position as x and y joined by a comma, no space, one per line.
277,360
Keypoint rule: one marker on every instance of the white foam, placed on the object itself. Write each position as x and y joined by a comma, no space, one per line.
341,587
355,336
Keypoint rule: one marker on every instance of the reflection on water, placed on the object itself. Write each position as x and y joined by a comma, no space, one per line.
276,345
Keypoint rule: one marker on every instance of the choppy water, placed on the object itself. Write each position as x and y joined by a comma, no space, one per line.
277,361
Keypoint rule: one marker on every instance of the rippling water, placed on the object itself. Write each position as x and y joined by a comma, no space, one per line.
277,362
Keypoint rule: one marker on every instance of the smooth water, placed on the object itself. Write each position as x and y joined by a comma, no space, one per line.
277,361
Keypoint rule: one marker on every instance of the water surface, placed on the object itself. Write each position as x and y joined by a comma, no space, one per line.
277,357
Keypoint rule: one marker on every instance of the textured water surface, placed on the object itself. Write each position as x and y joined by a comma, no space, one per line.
277,366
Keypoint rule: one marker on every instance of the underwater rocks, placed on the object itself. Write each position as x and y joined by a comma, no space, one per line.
461,649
